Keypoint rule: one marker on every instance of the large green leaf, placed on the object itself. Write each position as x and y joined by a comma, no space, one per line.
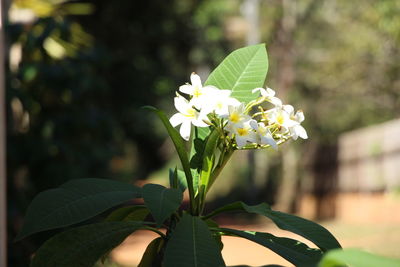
130,213
356,258
151,253
241,71
292,250
191,244
179,146
74,202
83,246
161,201
305,228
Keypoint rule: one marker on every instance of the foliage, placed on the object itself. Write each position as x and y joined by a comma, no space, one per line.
355,258
190,238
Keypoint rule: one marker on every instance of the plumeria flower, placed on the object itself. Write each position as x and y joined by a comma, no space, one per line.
297,130
264,134
269,95
281,117
236,115
196,90
186,116
218,101
243,133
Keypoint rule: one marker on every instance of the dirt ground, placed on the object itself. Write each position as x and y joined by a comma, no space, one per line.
369,222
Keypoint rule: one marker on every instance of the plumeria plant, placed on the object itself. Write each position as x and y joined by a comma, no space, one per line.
230,112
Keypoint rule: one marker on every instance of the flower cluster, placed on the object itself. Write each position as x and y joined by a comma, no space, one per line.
245,126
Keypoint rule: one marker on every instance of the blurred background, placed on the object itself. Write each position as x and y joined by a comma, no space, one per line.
77,73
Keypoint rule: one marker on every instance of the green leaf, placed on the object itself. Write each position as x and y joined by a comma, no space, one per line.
241,71
292,250
151,253
179,146
74,202
130,213
83,246
191,244
161,201
208,164
356,258
305,228
177,176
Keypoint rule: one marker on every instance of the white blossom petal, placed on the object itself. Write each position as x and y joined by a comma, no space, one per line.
299,116
186,88
181,104
240,141
176,119
185,130
289,109
196,81
275,101
300,131
269,140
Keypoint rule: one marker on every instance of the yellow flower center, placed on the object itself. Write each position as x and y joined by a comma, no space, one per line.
262,131
280,119
197,92
234,117
242,131
219,105
190,113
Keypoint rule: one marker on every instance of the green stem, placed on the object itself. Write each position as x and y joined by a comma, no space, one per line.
214,175
155,231
219,168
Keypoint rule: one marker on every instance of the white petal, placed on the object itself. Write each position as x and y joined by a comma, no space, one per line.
299,117
270,92
225,93
275,101
200,123
185,130
240,141
213,88
252,137
290,123
186,88
254,124
176,119
301,132
289,109
233,102
181,104
268,140
195,79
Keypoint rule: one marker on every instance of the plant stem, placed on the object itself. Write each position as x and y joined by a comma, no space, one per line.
221,164
156,231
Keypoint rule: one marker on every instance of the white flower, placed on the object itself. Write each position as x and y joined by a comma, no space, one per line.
281,117
218,101
196,90
186,116
297,130
235,116
269,95
244,133
264,134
